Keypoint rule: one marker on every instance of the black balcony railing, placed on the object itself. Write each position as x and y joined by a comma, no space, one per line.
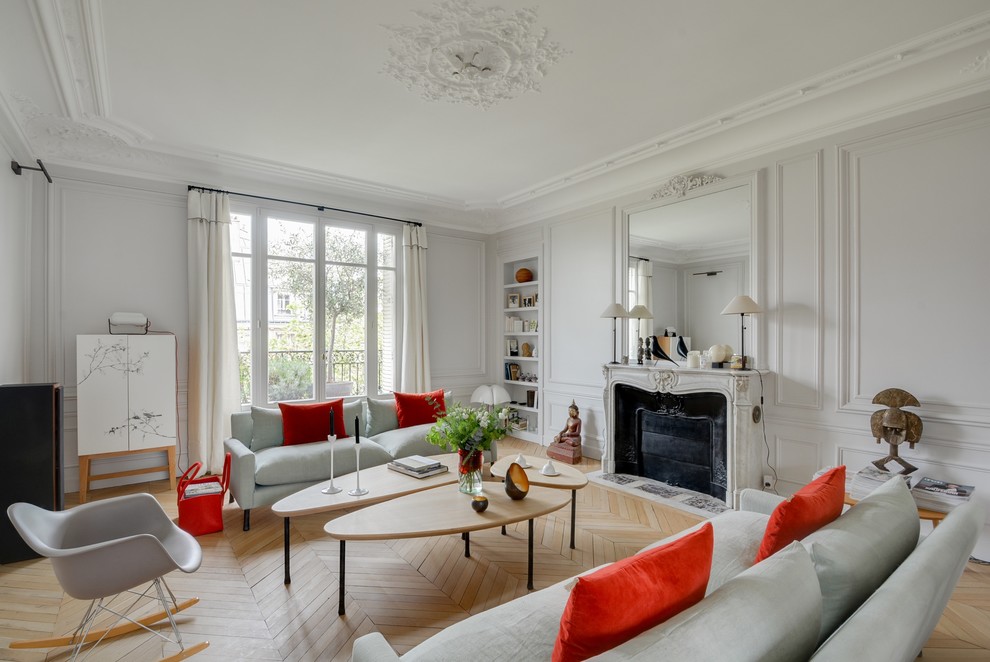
290,373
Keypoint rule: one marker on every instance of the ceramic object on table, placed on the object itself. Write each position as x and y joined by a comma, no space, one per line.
521,461
516,482
479,504
549,470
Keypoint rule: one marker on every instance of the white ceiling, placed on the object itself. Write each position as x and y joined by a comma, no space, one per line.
296,86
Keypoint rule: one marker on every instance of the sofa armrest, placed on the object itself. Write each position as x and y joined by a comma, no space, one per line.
242,466
372,648
755,501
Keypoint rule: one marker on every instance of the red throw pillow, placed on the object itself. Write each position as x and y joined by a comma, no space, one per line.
614,604
418,408
810,508
305,423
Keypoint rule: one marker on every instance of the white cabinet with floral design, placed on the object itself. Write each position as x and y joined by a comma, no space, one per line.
125,400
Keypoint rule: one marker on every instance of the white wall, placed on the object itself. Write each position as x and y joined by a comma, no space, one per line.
872,268
14,217
459,328
120,245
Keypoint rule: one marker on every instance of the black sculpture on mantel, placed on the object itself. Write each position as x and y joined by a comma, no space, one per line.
657,351
895,426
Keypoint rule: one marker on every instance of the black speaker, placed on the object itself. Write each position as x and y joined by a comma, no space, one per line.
31,448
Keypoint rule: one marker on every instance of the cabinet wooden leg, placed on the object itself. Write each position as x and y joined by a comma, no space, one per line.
83,477
171,466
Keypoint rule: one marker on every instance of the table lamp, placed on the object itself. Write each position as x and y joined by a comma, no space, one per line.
491,395
742,305
615,311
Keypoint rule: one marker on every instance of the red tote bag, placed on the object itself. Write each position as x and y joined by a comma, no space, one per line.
201,500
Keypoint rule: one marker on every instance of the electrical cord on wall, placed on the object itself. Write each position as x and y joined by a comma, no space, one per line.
763,422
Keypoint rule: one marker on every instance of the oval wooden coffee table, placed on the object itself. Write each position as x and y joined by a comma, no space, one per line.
381,482
441,512
567,478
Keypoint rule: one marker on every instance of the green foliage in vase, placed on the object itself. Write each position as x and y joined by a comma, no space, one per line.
467,429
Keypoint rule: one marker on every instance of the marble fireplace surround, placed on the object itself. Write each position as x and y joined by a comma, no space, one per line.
742,390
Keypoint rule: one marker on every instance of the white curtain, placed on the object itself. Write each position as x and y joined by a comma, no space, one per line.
644,294
213,375
415,374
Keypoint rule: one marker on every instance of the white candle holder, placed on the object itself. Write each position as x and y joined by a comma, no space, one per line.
357,491
331,488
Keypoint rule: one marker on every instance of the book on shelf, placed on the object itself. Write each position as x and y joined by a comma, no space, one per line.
202,489
417,463
418,474
940,495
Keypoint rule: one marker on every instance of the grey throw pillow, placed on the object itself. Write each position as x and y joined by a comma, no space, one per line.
856,553
381,415
267,428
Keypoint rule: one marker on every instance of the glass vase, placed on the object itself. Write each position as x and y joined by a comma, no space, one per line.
469,471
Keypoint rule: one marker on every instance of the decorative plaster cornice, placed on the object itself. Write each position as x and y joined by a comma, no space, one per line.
462,53
978,66
886,61
57,137
678,186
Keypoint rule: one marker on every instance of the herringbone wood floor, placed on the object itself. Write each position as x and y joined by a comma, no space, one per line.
408,589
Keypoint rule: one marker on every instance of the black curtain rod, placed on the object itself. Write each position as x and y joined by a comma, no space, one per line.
304,204
17,168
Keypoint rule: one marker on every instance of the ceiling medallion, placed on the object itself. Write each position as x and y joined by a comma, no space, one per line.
462,53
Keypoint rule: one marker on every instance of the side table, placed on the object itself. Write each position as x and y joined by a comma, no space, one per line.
932,516
567,478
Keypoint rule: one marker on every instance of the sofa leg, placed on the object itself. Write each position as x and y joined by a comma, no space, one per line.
230,498
247,519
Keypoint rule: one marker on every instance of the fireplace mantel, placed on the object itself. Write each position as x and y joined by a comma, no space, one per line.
742,390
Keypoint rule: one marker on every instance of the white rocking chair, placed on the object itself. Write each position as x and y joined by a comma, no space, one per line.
106,548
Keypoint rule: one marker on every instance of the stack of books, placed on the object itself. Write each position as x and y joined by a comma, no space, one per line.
868,479
939,495
417,466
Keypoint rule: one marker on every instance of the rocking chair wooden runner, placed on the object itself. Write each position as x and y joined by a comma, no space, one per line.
105,549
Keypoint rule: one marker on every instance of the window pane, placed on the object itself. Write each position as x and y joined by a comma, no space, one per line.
290,335
386,250
387,334
291,239
240,233
242,311
347,245
346,310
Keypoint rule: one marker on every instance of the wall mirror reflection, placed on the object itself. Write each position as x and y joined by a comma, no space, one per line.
689,253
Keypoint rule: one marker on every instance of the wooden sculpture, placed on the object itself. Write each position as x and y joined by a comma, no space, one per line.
896,426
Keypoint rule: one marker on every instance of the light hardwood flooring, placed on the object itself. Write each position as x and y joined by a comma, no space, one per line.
406,589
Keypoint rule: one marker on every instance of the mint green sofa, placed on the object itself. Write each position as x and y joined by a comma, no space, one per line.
859,588
262,470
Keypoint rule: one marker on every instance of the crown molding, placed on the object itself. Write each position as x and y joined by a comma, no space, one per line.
88,136
899,56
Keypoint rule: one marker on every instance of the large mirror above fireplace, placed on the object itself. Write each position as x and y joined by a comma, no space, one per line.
690,249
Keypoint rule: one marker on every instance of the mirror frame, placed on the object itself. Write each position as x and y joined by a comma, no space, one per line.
686,187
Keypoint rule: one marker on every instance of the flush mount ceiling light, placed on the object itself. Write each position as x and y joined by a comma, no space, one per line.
462,53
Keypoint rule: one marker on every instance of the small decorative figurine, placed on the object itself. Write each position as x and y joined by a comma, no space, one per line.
566,445
479,503
895,426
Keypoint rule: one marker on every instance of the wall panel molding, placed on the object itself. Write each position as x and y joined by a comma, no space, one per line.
800,281
964,135
455,295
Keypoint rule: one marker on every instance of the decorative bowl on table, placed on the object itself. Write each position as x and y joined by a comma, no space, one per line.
516,482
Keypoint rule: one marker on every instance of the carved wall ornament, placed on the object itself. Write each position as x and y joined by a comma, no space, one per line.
464,53
742,384
895,426
52,136
679,186
978,66
665,380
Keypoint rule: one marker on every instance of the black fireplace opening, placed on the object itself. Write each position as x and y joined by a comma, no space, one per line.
676,439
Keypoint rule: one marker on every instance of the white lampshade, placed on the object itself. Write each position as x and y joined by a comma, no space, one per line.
615,310
490,395
640,312
742,305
